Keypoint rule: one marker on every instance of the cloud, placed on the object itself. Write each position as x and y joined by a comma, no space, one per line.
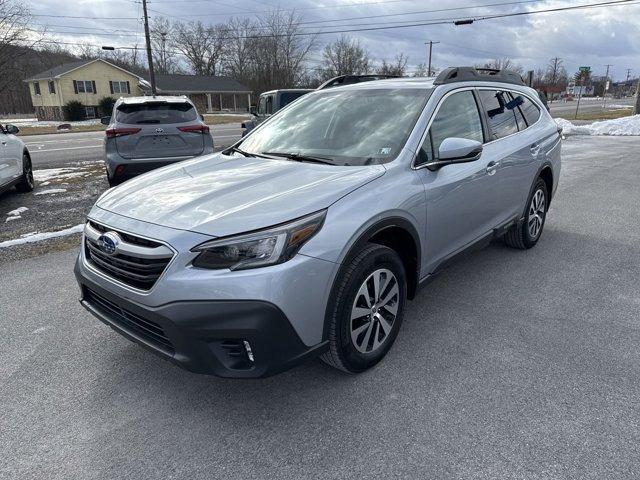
592,37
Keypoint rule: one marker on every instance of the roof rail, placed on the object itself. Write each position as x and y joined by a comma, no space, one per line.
350,79
467,74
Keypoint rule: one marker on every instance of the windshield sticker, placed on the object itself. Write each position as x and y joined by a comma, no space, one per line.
384,151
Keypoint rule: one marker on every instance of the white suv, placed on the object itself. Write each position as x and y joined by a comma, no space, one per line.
15,161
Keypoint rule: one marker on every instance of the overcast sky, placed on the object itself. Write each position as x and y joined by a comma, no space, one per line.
593,37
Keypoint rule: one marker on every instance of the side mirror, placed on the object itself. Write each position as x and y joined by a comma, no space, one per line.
105,120
202,117
456,150
253,110
12,129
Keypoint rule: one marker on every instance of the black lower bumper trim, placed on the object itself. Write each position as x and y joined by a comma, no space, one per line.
206,336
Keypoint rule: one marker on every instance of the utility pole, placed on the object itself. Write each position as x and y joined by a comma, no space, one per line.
430,43
152,77
627,88
604,89
636,109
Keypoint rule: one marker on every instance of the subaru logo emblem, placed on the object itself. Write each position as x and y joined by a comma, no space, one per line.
159,130
108,243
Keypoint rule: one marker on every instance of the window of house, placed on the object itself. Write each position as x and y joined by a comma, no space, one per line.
458,117
52,87
85,86
119,87
36,88
502,119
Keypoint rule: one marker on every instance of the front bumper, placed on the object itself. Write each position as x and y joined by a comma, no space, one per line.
205,336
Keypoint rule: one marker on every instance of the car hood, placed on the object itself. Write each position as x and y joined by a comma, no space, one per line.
221,195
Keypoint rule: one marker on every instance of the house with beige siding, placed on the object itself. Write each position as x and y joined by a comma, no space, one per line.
86,81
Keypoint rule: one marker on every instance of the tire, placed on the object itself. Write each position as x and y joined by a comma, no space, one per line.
26,183
357,344
522,235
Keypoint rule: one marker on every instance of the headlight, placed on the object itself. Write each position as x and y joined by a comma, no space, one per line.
261,248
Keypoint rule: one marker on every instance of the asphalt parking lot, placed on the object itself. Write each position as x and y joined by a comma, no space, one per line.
510,364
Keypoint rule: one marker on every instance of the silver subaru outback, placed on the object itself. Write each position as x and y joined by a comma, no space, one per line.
308,236
145,133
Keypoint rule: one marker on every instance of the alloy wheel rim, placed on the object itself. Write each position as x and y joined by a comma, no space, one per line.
374,311
536,213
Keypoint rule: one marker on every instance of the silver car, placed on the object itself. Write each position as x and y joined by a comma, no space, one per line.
308,236
145,133
15,161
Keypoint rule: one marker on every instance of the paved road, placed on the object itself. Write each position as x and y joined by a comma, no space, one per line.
509,365
587,105
60,149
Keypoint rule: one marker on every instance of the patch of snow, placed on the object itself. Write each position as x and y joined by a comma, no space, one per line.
34,122
54,173
39,236
8,219
625,126
51,190
17,212
619,107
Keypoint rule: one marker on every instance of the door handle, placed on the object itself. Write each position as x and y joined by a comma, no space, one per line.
492,167
535,149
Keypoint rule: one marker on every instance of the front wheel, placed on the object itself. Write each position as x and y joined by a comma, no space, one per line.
366,309
526,234
26,183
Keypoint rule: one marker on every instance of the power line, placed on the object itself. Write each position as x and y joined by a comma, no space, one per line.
444,21
438,10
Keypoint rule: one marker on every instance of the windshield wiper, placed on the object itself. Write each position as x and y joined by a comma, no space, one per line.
301,158
242,152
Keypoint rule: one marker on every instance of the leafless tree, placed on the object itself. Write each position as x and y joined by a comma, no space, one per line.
240,48
504,64
345,56
421,70
164,59
202,45
14,31
281,51
556,74
397,67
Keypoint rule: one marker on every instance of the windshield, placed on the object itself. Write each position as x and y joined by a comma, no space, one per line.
155,112
350,127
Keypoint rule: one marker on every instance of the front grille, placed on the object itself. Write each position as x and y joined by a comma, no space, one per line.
132,270
147,329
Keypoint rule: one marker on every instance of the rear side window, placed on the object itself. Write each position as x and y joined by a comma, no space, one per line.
287,97
458,116
156,112
530,110
502,119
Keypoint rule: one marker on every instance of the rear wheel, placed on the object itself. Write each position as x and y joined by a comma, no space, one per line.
366,309
527,234
26,183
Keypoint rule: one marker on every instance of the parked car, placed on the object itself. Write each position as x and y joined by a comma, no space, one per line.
269,103
307,237
145,133
15,161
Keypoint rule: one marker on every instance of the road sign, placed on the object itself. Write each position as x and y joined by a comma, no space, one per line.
585,69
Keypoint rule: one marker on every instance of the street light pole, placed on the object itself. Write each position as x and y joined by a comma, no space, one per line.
152,77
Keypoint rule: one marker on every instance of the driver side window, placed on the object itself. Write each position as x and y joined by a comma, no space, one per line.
459,117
